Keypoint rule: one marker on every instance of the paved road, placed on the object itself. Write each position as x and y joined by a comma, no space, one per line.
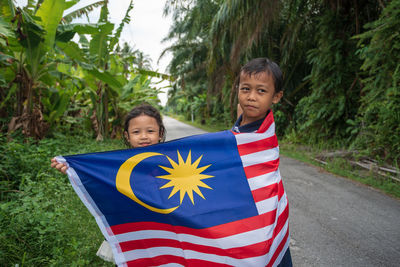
337,222
333,221
176,129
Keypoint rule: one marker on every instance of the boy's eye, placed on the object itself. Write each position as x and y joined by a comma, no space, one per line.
244,88
262,90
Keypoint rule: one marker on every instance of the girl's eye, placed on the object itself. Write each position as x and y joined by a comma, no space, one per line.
244,89
135,132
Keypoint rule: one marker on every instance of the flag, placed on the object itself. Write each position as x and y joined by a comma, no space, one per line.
214,199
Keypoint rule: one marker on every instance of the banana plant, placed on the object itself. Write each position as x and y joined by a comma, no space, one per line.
34,31
27,47
113,86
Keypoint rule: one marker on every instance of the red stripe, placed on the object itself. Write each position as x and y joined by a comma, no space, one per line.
278,249
262,168
249,251
266,123
268,192
165,259
253,250
217,231
281,221
260,145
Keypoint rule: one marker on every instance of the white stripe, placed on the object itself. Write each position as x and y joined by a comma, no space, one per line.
190,254
283,251
267,205
260,157
244,138
264,180
278,239
271,204
233,241
282,204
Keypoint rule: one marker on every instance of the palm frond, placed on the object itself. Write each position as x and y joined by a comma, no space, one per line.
239,24
84,11
124,21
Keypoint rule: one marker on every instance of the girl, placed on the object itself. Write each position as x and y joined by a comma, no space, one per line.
143,127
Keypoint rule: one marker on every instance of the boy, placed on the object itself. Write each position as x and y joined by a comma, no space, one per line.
259,86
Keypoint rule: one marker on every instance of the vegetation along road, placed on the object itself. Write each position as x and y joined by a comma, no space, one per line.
333,221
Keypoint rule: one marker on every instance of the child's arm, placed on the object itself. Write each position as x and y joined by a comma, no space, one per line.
59,166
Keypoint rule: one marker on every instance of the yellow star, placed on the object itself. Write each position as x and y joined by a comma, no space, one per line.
185,177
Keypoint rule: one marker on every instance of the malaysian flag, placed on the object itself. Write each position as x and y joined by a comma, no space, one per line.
205,200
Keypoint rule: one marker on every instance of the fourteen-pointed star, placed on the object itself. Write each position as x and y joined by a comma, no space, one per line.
185,177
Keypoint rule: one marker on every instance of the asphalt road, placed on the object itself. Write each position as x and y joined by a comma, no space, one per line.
333,221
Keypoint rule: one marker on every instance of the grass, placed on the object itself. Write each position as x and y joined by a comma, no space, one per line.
42,220
341,167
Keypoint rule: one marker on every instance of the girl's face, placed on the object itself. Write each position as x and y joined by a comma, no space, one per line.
143,131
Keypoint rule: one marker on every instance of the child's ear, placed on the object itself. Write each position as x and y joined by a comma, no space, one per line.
277,97
126,136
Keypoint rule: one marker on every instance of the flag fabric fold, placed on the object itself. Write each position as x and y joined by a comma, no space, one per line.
214,199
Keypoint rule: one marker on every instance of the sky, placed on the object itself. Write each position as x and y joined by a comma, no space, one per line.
148,27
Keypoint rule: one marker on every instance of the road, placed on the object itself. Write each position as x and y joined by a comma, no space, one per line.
333,221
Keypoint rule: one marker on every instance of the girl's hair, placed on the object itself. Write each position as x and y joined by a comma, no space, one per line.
145,109
258,65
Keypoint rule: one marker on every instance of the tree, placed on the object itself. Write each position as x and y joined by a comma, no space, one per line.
377,126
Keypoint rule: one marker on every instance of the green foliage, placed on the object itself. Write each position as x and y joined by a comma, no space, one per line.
42,221
335,93
42,68
191,41
50,12
379,113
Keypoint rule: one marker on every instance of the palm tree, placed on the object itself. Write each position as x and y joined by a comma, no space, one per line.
192,20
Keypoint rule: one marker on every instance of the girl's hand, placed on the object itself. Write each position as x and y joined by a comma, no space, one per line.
59,166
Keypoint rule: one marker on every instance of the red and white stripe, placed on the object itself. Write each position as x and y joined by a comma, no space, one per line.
256,241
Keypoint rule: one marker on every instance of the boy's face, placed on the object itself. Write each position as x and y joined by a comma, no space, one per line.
256,95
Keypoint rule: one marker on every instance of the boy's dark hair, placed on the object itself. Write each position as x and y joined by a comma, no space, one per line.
149,110
262,64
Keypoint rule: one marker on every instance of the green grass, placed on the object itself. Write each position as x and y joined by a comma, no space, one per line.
341,167
42,220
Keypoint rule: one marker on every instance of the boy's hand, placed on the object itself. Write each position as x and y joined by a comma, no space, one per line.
59,166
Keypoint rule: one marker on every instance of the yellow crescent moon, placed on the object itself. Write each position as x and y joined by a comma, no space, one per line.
123,180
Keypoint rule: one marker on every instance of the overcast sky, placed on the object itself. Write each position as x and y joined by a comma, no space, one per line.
147,28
